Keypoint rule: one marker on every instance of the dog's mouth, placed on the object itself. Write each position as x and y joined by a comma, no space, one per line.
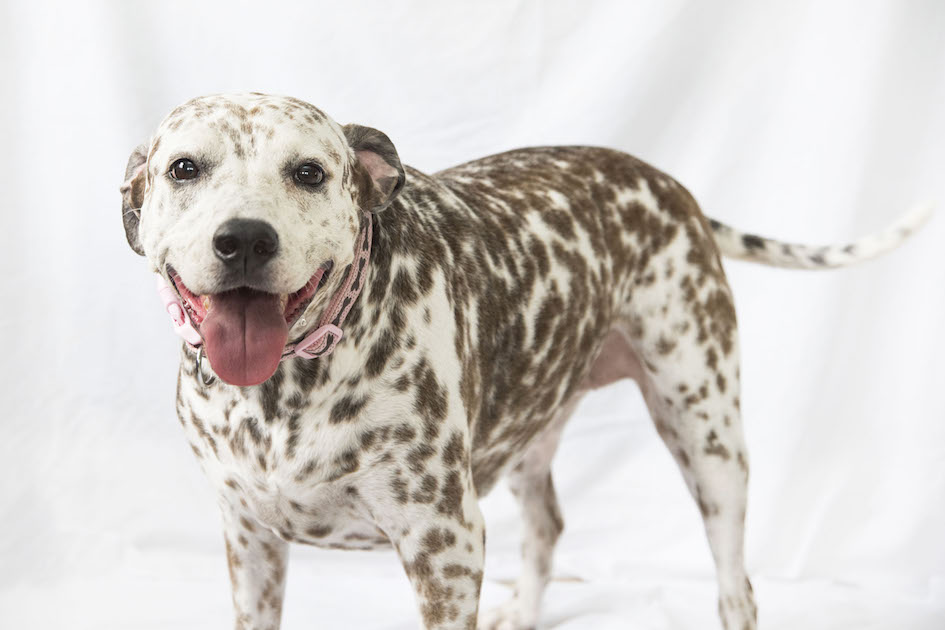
245,330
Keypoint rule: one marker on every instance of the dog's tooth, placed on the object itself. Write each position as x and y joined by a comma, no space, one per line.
206,302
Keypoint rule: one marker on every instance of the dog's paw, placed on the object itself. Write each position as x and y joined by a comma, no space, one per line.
737,607
508,616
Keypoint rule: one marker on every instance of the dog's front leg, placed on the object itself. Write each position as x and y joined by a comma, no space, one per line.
257,560
443,559
435,524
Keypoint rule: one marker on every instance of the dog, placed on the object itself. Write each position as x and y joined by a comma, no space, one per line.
368,348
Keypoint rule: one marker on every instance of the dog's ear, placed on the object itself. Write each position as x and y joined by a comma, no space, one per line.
383,175
132,195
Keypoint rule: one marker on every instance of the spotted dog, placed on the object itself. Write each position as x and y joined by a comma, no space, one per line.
480,304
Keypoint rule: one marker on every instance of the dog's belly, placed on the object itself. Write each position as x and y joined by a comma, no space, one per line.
615,361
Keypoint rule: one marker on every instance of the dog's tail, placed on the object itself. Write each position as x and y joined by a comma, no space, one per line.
735,244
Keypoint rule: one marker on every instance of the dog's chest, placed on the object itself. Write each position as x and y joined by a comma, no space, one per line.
328,515
293,473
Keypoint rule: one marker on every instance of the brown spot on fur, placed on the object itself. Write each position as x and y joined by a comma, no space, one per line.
318,531
417,456
404,433
399,487
453,451
711,358
714,447
430,400
202,432
346,463
664,346
427,491
347,409
452,496
742,462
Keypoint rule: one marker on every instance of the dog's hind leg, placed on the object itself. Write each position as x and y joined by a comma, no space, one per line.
690,383
531,485
715,468
530,482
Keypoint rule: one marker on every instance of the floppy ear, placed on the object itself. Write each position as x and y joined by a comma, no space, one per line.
132,195
380,163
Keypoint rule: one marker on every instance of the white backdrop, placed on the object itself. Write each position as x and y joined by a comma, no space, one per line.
804,120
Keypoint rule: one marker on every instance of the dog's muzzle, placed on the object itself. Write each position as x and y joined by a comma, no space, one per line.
230,358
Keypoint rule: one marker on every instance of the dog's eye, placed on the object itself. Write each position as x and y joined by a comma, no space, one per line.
309,174
183,169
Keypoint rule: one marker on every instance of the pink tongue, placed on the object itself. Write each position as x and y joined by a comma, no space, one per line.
245,333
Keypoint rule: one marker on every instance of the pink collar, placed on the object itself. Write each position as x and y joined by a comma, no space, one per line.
318,343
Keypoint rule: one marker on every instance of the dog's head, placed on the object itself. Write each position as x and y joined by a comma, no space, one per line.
250,206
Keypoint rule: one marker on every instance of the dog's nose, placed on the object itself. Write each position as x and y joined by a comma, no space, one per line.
245,244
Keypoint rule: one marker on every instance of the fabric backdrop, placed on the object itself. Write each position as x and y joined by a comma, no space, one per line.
804,120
